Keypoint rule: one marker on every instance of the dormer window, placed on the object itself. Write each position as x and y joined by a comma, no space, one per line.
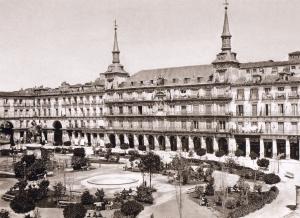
199,79
132,83
174,80
187,80
280,88
151,81
248,71
141,82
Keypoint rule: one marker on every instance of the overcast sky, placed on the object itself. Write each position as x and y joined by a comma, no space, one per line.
45,42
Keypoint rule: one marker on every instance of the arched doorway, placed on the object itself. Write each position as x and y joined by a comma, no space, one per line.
209,145
57,133
112,140
173,143
121,138
185,143
223,145
151,142
197,143
162,143
131,141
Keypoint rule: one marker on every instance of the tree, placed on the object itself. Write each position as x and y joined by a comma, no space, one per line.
100,195
31,167
59,191
87,198
74,211
78,159
108,154
131,208
151,163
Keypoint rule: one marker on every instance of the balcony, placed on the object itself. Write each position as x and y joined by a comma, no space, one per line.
293,95
254,97
267,96
280,96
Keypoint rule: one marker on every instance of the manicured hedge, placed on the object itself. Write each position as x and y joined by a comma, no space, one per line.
271,178
256,202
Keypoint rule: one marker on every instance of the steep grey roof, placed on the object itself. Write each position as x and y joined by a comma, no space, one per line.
269,63
173,73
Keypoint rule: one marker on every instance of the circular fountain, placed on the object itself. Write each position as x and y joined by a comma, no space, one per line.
112,180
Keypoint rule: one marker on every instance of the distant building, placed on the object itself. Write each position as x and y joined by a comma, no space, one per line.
225,105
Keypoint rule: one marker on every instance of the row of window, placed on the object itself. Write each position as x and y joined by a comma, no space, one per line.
267,110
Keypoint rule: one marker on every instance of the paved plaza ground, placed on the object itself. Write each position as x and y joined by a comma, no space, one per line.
166,203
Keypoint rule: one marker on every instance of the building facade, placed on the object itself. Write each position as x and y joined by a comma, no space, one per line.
225,105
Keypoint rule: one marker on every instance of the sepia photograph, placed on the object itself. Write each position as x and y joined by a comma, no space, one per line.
149,109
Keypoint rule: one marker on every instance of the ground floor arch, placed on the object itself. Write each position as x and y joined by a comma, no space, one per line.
112,140
173,143
121,139
131,141
223,145
151,142
185,143
241,145
209,145
255,145
281,148
57,133
162,143
197,143
294,144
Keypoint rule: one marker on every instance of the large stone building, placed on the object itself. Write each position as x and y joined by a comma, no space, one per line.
225,105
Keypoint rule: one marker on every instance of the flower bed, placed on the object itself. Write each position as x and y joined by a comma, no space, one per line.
256,202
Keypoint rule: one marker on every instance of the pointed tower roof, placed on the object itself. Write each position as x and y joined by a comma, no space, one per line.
116,46
116,51
226,31
116,67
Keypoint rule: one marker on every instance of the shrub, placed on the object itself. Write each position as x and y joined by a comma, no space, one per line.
87,198
109,145
124,146
79,152
74,211
78,162
239,153
231,203
131,208
255,204
263,162
253,155
271,178
144,194
99,195
200,152
219,153
22,204
4,214
117,158
67,143
57,150
142,147
191,154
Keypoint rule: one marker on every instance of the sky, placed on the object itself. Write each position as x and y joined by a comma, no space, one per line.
46,42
